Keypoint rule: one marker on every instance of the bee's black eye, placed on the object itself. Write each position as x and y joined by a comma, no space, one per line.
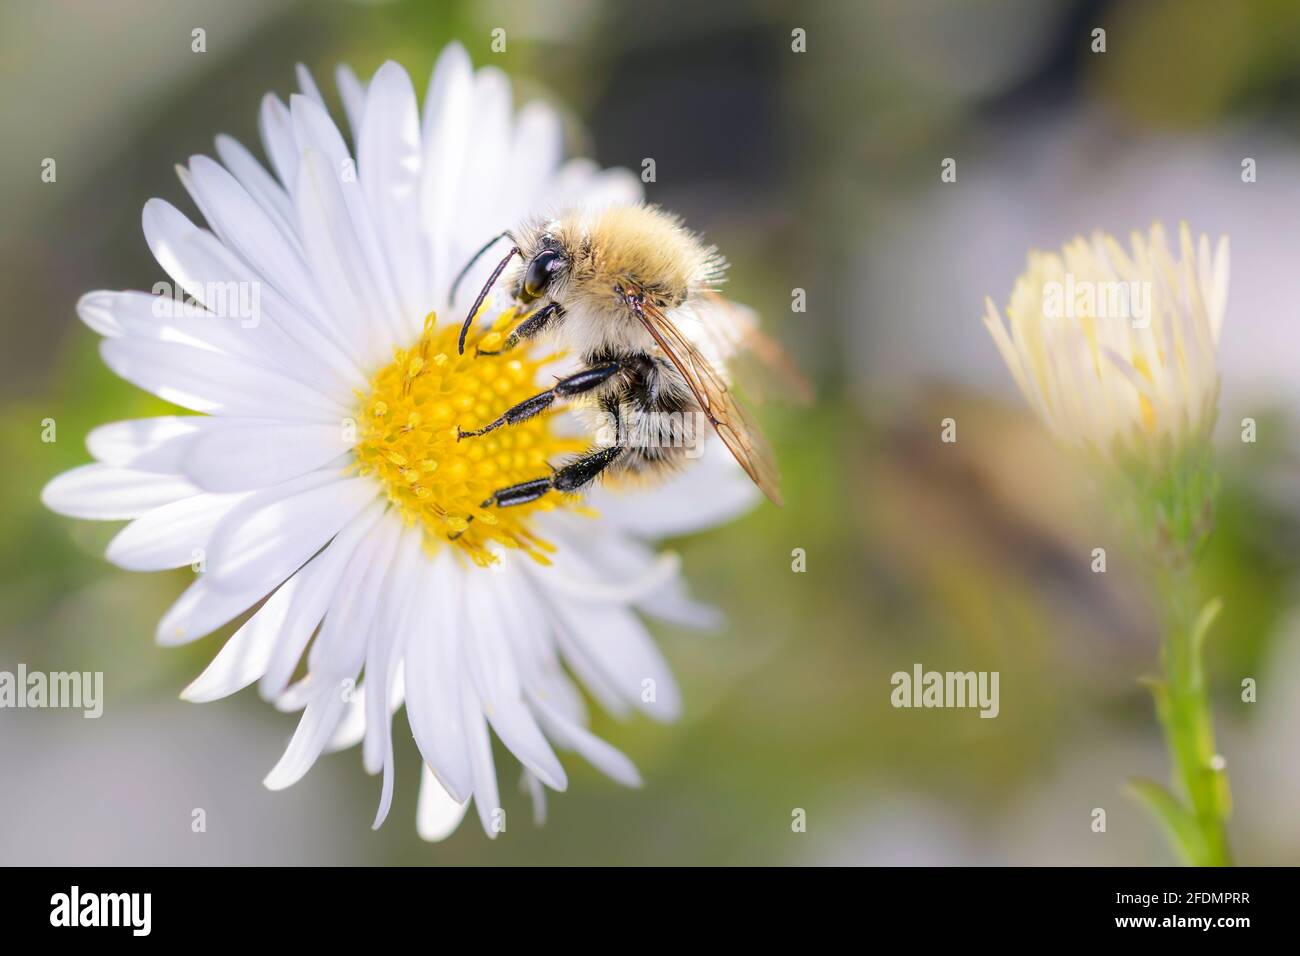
539,272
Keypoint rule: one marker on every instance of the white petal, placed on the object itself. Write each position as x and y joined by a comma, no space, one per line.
309,739
297,696
275,531
93,309
352,729
209,382
597,682
307,86
581,184
382,657
529,783
673,604
295,335
353,95
487,799
445,137
148,444
617,568
332,675
276,128
316,591
339,650
261,185
612,641
255,455
434,678
554,686
279,287
537,146
245,657
171,536
339,264
601,755
104,493
389,155
491,664
202,608
480,200
248,229
161,318
352,726
711,491
528,629
370,271
438,813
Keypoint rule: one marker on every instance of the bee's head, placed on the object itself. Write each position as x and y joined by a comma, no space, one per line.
541,271
544,265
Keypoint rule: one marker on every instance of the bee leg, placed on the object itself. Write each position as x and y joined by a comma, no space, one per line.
574,384
519,494
574,476
532,325
581,472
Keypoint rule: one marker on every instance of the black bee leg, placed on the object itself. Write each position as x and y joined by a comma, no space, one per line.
519,494
515,414
575,384
533,324
581,472
572,477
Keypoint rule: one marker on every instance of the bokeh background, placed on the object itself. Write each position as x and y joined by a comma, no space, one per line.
815,170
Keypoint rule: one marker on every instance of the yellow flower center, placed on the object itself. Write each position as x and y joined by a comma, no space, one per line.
408,436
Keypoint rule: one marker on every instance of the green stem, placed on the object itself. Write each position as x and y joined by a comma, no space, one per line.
1184,705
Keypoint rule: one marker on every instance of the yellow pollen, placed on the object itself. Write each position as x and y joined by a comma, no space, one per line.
410,424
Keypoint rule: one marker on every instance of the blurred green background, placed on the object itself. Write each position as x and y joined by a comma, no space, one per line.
815,170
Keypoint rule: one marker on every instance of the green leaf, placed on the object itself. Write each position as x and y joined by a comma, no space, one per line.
1175,819
1203,623
1160,694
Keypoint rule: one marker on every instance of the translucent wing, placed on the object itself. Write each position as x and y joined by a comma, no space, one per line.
754,359
724,413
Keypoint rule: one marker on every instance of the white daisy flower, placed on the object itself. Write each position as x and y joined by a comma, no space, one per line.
323,480
1116,351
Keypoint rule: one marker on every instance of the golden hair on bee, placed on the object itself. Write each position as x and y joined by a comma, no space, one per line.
606,246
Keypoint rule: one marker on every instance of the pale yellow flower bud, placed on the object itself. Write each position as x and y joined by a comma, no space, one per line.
1116,350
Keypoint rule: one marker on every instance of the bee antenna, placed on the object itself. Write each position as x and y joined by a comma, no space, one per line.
473,259
473,309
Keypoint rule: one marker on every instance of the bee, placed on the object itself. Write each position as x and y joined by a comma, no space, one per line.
632,293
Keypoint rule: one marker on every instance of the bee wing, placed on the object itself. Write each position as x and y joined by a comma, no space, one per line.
754,358
729,420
